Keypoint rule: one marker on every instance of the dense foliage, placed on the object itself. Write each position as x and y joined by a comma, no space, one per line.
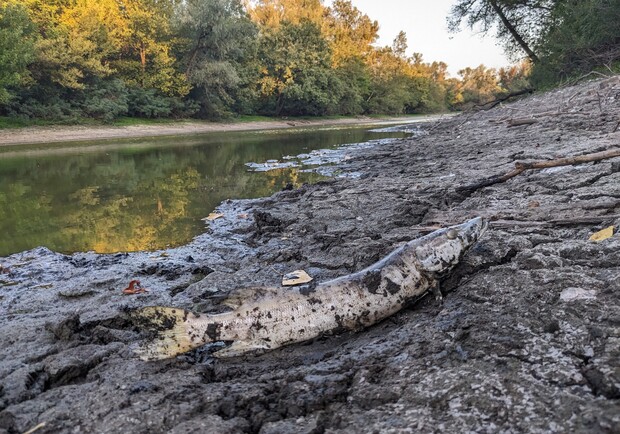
104,59
562,38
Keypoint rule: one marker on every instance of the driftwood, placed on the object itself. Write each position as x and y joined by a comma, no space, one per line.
521,167
489,105
534,117
569,221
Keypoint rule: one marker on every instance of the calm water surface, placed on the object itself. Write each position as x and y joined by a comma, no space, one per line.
143,194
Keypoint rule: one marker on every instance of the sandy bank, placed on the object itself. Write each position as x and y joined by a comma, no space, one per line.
32,135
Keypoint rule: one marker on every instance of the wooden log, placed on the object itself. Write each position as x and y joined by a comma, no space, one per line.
521,167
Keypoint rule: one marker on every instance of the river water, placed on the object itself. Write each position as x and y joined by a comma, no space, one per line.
147,194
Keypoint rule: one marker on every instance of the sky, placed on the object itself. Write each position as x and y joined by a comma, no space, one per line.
424,22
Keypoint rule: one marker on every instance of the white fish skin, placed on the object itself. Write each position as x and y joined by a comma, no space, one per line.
275,317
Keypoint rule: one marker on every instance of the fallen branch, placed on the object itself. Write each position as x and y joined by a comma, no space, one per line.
571,221
489,105
504,223
521,167
534,116
583,77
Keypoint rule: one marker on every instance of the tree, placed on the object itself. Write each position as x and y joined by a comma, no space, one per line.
297,78
518,23
349,32
582,35
478,85
399,46
515,78
75,40
219,52
354,75
394,85
149,42
271,14
17,47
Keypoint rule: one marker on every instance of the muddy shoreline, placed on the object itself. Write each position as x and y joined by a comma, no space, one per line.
527,339
76,133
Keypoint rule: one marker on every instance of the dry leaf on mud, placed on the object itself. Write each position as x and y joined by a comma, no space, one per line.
603,234
533,204
213,216
296,277
135,287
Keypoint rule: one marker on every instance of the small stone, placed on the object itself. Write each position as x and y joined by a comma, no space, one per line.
572,294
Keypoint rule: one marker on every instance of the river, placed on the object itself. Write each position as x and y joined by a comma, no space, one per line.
148,194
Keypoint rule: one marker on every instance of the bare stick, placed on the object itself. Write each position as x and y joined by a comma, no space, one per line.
489,105
518,122
569,221
505,224
521,167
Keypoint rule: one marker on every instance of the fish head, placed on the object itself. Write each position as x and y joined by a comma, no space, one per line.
439,252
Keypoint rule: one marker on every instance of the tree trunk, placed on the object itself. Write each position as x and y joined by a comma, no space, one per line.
279,103
193,56
143,56
533,57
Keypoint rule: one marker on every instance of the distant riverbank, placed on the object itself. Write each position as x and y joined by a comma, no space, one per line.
51,134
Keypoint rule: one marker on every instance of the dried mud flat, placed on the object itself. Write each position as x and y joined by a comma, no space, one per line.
527,340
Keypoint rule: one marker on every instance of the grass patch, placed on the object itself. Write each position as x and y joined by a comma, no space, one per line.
17,122
128,121
251,118
9,122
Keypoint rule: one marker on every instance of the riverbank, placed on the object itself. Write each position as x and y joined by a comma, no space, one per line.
526,340
52,134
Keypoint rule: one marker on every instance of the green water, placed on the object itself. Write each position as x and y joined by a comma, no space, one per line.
142,194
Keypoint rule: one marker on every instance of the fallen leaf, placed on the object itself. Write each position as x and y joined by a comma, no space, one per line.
603,234
243,215
135,287
533,204
296,277
213,216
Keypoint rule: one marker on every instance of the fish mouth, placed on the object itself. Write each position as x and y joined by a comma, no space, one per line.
475,228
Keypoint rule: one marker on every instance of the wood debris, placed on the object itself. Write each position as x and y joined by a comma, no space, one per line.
297,277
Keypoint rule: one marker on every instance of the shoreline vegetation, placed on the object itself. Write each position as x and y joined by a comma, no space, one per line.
80,61
106,61
134,128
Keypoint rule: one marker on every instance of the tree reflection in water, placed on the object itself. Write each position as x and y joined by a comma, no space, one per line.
142,196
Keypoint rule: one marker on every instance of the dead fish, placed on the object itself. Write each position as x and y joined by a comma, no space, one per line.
268,318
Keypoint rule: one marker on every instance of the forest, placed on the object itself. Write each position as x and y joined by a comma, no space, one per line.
66,60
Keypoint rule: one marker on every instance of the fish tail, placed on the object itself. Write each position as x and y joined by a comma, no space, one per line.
172,332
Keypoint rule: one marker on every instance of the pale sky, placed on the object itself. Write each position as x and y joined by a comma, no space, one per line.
424,22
